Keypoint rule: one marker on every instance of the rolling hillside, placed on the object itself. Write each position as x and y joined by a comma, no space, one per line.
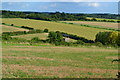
86,32
10,28
96,24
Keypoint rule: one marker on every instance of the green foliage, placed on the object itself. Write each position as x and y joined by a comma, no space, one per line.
46,30
35,39
94,19
80,42
12,24
55,38
6,37
22,32
27,27
108,38
98,44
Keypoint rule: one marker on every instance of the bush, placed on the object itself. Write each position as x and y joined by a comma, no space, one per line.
80,42
35,40
27,27
46,30
6,37
12,24
98,44
3,23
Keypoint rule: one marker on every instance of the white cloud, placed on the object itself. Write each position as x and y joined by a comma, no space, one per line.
94,4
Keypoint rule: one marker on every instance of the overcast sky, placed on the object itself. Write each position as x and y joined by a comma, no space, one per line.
68,7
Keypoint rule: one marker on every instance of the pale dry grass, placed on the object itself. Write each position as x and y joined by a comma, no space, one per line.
11,28
103,24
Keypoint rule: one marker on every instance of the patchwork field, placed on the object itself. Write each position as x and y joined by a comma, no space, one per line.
86,32
10,28
47,61
96,24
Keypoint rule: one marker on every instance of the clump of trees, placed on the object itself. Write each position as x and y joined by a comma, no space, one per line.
55,38
108,38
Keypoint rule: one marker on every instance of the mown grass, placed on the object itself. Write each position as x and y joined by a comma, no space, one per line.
62,62
106,25
82,31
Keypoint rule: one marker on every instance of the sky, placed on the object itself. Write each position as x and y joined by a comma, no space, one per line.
67,7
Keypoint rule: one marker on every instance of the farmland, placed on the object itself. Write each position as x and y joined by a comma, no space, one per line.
60,40
42,36
48,61
82,31
104,19
44,60
6,28
108,25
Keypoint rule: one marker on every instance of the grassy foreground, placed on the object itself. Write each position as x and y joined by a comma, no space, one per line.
47,61
82,31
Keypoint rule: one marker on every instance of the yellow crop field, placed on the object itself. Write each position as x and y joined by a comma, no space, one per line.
82,31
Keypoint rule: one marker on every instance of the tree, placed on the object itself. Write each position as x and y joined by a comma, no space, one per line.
107,38
55,38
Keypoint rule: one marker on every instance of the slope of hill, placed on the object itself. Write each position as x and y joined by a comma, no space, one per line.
10,28
97,24
82,31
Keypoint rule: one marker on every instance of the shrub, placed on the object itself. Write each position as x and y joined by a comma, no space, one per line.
27,27
80,42
6,37
98,44
3,23
46,30
35,39
12,24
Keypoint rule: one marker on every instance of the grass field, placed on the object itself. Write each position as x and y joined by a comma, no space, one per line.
104,19
6,28
96,24
42,36
47,61
82,31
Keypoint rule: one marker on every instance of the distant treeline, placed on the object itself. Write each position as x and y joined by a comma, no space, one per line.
57,16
